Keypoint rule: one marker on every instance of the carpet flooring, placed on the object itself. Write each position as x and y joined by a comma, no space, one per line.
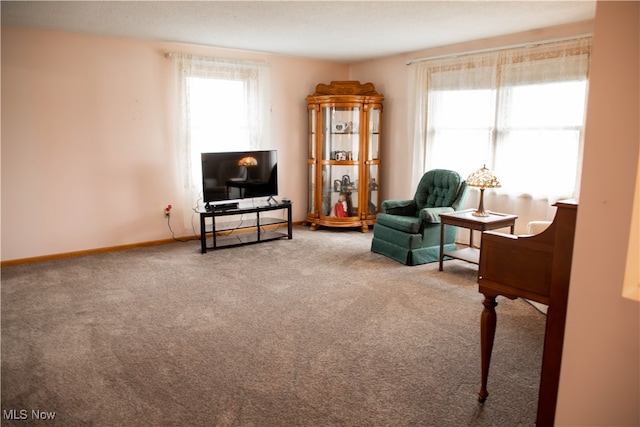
313,331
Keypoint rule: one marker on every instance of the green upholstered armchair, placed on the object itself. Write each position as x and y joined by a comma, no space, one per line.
409,230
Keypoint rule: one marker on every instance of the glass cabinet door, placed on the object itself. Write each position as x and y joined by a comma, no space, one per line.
341,133
311,162
373,194
374,134
373,160
312,134
312,188
339,190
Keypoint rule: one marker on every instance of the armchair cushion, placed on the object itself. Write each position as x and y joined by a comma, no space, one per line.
432,215
407,224
437,188
399,207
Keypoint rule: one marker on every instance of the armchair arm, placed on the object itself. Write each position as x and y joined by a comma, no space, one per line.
399,207
432,215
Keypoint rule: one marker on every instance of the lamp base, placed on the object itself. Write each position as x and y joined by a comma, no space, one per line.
481,212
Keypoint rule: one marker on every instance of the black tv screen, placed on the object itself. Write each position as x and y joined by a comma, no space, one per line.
239,175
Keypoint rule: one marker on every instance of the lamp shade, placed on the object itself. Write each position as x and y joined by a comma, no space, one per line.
482,178
248,161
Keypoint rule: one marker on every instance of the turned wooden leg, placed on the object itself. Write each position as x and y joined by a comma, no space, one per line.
487,334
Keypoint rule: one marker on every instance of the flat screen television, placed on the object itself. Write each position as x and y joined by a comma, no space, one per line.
239,175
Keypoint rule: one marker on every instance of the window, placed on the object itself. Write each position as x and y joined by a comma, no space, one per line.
520,112
218,118
223,106
541,132
460,131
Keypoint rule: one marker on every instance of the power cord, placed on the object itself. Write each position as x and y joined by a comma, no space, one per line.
173,234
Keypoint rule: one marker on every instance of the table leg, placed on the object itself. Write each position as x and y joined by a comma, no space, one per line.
441,244
487,334
203,235
213,231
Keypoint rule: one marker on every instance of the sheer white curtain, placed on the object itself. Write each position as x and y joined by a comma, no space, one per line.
246,91
519,111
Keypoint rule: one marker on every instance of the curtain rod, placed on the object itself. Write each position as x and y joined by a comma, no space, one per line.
493,49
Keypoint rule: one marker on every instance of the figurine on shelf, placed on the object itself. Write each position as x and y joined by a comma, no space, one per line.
373,185
341,208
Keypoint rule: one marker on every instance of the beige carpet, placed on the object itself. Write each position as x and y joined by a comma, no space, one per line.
314,331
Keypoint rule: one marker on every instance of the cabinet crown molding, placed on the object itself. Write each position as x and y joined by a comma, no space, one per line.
347,87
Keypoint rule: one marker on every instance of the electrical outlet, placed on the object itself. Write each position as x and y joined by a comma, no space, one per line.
167,211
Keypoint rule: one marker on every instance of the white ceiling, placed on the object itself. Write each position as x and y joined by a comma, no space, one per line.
342,31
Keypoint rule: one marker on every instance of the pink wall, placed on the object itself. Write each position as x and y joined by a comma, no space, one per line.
88,139
600,378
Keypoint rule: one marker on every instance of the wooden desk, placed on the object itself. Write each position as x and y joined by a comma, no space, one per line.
537,268
465,219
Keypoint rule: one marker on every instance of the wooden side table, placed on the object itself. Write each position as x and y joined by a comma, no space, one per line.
465,219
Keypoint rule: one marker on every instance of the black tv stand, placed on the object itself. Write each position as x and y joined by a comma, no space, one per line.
216,235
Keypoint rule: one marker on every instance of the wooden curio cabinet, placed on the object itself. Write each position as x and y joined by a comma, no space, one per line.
344,155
